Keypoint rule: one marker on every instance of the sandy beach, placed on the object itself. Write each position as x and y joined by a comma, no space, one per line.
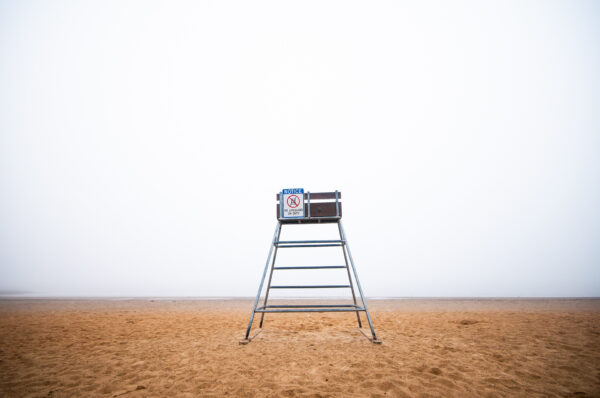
431,348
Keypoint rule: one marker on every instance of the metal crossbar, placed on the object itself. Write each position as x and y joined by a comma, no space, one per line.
349,264
310,245
313,310
307,306
310,287
313,267
310,241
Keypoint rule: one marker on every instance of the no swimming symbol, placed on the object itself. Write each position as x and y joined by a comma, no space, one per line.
293,201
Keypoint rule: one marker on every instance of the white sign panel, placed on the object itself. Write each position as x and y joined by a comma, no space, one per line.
293,203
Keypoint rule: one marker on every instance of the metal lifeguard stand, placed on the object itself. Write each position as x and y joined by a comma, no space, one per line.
294,206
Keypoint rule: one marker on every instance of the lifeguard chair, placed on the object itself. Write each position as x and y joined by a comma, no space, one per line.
294,206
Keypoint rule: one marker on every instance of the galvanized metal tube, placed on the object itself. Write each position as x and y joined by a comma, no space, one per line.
281,203
350,278
262,281
262,316
310,286
313,267
310,306
313,310
362,296
310,241
311,245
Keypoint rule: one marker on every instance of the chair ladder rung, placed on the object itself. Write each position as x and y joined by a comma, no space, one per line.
310,241
312,310
309,286
313,267
308,306
287,245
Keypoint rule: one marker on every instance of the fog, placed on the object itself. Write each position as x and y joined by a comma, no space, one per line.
142,144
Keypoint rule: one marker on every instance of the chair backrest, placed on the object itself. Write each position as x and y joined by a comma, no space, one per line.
319,207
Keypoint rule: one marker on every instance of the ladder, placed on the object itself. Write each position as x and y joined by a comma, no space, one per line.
327,212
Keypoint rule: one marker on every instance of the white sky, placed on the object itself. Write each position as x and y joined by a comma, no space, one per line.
142,144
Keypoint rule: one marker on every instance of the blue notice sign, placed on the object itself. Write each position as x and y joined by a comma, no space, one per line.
293,203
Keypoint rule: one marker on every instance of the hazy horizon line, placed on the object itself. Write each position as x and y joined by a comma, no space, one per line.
200,298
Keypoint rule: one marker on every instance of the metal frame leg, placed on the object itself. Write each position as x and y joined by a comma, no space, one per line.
362,296
262,281
262,316
350,278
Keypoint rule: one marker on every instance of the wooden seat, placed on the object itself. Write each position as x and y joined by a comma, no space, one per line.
320,207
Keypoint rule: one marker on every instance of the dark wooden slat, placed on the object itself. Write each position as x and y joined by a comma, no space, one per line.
308,221
326,209
319,195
